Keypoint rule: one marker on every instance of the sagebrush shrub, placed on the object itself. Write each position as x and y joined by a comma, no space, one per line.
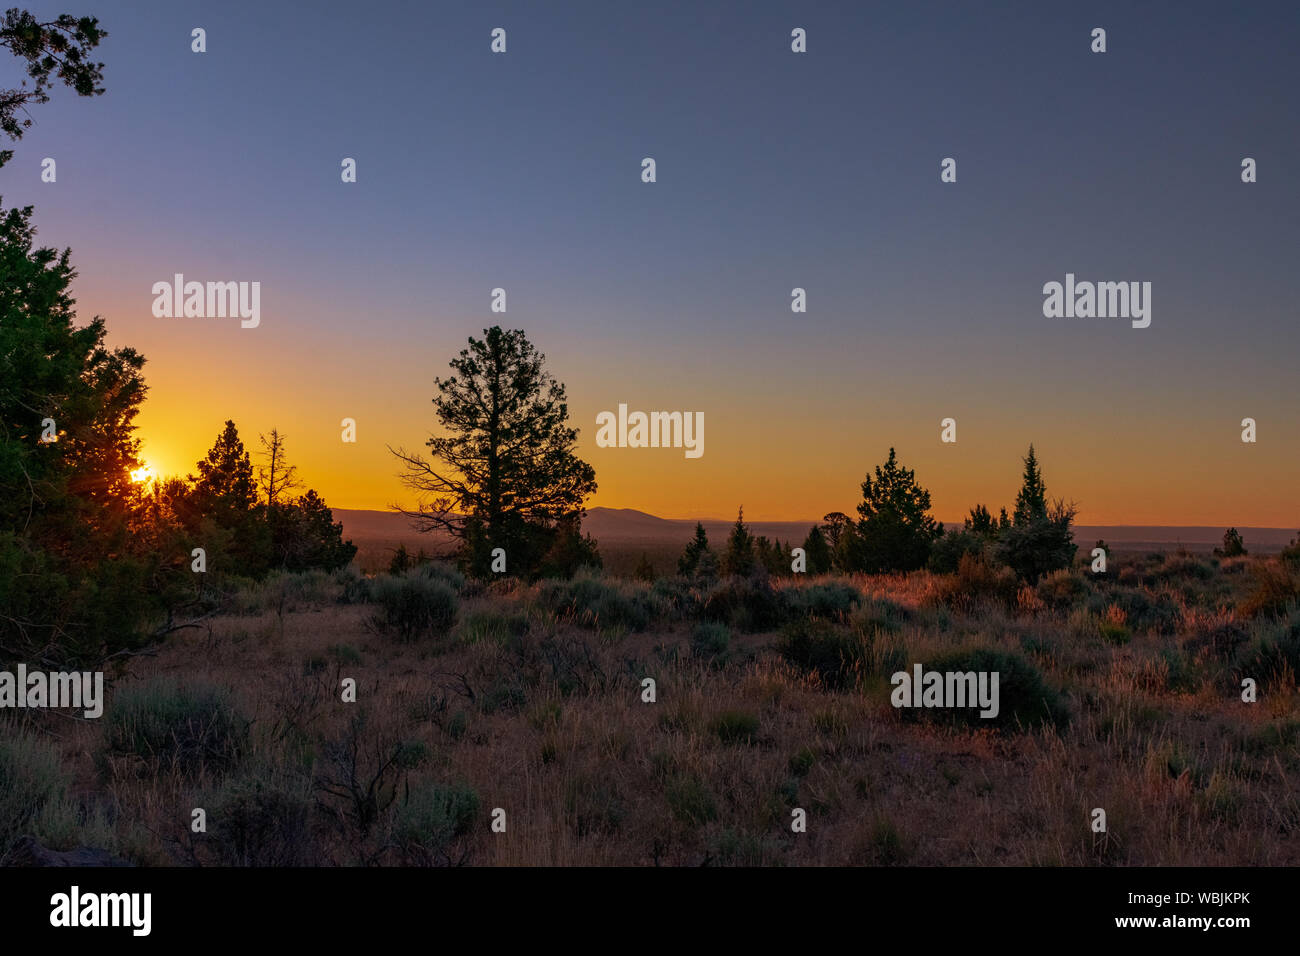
32,783
414,605
832,600
428,821
257,821
186,727
1025,700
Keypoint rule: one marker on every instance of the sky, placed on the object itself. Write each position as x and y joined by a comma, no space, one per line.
774,170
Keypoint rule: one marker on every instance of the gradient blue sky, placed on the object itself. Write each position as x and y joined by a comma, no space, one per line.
775,170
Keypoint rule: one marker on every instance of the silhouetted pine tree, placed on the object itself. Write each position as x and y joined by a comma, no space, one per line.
739,558
896,529
817,551
695,548
1031,502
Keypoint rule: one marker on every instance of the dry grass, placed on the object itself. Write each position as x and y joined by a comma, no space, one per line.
534,706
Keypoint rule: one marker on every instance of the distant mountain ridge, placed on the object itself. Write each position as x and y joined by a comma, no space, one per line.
630,527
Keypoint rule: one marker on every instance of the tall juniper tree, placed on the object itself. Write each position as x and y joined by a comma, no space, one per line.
695,549
504,473
895,528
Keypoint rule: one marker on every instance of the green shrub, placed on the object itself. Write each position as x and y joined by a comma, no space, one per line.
690,801
593,603
430,819
593,805
354,588
1113,633
948,550
979,580
673,597
1275,589
838,656
1038,545
414,605
879,614
492,626
1273,653
884,844
1025,701
505,696
710,640
735,726
747,604
440,571
33,784
287,591
1143,611
1062,588
832,600
1291,555
255,821
186,727
738,848
1183,565
802,762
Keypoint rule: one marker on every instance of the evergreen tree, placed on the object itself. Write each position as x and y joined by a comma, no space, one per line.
1234,545
739,558
1038,540
834,526
980,522
224,488
842,536
75,582
504,472
60,47
817,551
695,548
567,549
645,571
1031,502
221,509
311,538
401,560
895,527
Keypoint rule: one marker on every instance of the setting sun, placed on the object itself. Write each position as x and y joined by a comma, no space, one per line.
142,475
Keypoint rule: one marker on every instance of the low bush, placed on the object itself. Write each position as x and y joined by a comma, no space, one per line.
414,605
747,604
33,784
185,727
831,600
1025,701
594,603
430,819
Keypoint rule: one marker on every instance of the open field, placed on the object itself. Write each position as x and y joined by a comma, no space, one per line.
1121,693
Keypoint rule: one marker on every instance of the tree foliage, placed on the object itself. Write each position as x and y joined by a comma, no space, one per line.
53,50
739,558
504,473
894,527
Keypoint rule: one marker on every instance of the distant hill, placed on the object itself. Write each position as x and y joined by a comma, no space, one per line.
625,534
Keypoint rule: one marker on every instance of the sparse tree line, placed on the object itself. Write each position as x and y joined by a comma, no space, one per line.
894,532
